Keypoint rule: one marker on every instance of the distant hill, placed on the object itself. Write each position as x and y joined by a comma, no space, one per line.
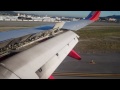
114,16
11,13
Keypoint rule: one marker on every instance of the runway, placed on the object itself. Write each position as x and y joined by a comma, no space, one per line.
107,66
85,74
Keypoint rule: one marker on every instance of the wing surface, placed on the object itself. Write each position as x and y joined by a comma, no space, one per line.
73,25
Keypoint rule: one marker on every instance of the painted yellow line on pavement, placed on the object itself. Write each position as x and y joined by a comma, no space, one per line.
85,74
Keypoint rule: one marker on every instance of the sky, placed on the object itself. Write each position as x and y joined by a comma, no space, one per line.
69,13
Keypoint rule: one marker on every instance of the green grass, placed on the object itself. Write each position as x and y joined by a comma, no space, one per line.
98,33
99,40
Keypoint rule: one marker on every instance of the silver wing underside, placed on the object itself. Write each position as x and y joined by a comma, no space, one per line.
76,25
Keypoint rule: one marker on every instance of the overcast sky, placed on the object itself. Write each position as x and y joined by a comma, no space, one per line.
70,13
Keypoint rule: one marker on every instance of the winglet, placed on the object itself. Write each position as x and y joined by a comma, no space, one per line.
74,55
94,15
51,77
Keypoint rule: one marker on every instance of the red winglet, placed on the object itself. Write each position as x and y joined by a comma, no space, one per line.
51,77
95,16
73,54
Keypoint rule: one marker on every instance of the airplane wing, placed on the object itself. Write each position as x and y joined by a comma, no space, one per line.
56,41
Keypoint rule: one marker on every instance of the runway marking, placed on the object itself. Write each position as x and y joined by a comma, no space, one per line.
85,74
